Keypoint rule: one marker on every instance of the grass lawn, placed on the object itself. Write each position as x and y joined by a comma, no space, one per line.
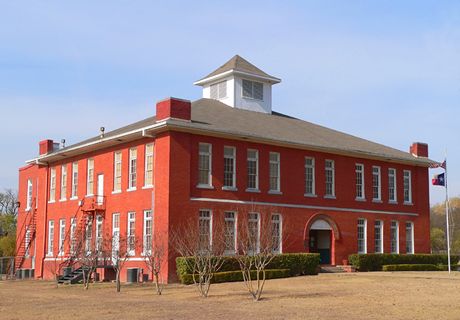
402,295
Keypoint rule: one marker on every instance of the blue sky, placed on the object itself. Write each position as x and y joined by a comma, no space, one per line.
387,71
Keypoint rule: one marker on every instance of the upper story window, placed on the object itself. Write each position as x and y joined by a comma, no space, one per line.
309,176
29,194
148,165
253,169
63,182
376,184
359,171
392,194
330,178
229,167
253,90
90,178
117,171
219,90
204,164
74,180
132,174
407,187
53,185
274,171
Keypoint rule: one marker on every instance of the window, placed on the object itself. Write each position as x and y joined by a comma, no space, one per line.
27,240
50,238
230,232
219,90
204,165
359,170
132,175
394,237
74,180
330,178
253,90
148,180
53,185
205,230
376,185
89,236
90,178
392,195
254,232
99,237
61,236
229,167
274,171
63,182
73,240
309,176
29,194
148,231
115,234
409,237
276,233
117,171
253,169
378,236
362,236
131,233
407,187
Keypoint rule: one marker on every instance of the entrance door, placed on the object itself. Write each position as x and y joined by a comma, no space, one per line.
100,189
320,236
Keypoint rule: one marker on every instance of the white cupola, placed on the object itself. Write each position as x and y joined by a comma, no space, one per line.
240,84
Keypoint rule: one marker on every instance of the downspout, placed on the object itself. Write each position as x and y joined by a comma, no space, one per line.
45,218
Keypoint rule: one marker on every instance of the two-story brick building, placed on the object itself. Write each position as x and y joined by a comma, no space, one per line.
215,158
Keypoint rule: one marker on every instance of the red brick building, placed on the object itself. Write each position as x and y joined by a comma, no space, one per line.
215,158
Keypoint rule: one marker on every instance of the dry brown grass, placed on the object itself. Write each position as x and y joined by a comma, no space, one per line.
404,295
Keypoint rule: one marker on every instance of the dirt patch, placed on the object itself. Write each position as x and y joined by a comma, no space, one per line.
404,295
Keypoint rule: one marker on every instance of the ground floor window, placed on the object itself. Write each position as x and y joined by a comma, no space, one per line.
99,233
205,229
230,232
362,236
50,237
409,237
276,233
394,236
254,232
378,233
147,231
89,236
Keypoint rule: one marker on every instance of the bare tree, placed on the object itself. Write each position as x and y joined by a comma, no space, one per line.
259,240
154,254
122,247
202,245
9,202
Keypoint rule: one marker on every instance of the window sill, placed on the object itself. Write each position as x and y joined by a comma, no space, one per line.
51,201
89,195
27,209
74,198
62,200
229,188
150,186
131,189
275,192
377,201
205,186
252,190
330,197
310,195
408,203
116,192
360,199
393,202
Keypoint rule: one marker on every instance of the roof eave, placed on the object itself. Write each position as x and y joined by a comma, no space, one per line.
219,76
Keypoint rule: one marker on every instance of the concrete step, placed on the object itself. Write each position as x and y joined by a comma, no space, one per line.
331,269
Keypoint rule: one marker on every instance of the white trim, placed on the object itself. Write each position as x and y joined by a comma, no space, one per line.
313,173
236,72
397,236
131,232
412,237
332,169
392,174
301,206
379,185
381,228
233,158
256,159
409,201
359,168
276,162
146,155
209,154
364,235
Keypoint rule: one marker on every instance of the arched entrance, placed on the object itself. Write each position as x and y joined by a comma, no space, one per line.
321,233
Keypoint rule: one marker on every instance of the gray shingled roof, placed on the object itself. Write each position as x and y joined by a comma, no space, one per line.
212,116
238,63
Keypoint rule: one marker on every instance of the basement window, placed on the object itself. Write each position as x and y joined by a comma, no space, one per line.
253,90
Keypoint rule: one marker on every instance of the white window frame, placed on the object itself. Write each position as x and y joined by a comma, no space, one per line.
279,225
362,223
232,159
115,233
252,93
74,194
89,236
117,171
407,175
251,218
131,233
256,160
231,217
132,169
53,185
99,233
411,234
218,90
30,191
27,241
50,238
73,228
330,169
149,165
90,177
205,215
392,180
208,154
310,167
380,238
61,243
275,162
394,225
147,237
63,183
359,179
377,174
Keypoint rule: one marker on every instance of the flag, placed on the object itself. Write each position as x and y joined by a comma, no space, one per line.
438,180
438,165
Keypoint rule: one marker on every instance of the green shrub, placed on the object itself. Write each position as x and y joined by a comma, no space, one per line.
232,276
296,263
375,261
411,267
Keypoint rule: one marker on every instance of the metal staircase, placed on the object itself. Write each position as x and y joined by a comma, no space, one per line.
29,226
75,276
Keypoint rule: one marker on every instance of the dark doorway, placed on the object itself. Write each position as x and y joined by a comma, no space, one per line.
320,242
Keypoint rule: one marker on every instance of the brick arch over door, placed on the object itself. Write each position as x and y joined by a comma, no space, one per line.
315,217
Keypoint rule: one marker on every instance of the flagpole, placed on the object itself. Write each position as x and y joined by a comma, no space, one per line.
447,216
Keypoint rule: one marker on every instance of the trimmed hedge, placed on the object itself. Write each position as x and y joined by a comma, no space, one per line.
232,276
412,267
375,261
296,263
